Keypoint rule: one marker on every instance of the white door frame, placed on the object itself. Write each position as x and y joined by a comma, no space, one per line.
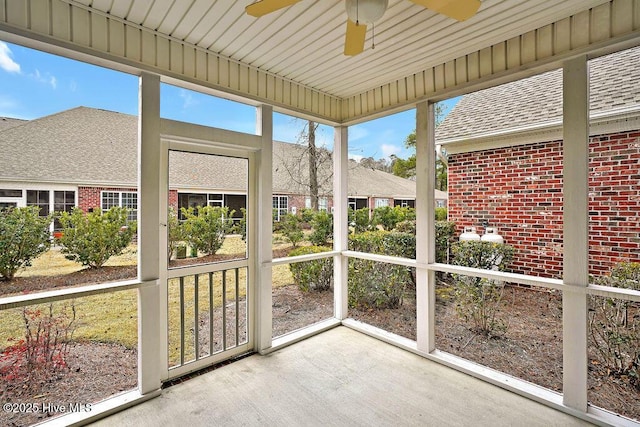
177,136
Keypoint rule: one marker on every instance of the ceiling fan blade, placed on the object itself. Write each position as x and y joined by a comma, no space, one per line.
354,40
263,7
456,9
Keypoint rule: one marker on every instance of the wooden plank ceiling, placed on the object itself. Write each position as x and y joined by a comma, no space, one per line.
303,43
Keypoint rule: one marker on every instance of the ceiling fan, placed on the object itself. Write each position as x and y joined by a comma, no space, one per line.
360,13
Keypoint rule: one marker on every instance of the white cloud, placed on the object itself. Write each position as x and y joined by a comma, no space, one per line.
45,78
356,157
6,62
357,132
388,150
188,100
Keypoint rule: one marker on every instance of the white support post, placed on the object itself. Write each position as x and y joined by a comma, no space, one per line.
340,221
264,162
149,305
425,226
576,231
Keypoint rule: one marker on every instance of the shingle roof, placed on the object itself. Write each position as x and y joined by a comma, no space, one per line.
9,122
87,146
615,84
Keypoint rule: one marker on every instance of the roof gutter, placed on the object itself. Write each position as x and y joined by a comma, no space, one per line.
620,120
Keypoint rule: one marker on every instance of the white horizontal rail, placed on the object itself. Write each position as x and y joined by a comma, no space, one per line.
212,267
69,293
522,279
611,292
300,258
407,262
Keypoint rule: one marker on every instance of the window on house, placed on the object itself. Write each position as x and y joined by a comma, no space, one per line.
39,198
8,205
404,203
356,203
125,199
216,200
63,201
382,202
10,193
280,207
323,203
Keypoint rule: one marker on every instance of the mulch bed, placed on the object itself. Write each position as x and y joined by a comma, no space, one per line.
88,276
94,372
530,349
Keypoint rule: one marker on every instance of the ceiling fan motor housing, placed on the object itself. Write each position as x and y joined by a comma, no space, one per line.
366,11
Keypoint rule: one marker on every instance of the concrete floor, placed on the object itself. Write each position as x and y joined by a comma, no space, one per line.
338,378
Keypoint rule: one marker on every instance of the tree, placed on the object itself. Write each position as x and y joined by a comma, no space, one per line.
380,164
403,168
207,227
23,236
313,164
92,238
308,165
407,168
175,233
292,229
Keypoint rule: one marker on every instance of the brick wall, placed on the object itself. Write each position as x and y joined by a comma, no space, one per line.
173,199
614,200
519,190
90,197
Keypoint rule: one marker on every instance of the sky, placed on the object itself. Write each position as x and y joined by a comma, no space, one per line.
34,84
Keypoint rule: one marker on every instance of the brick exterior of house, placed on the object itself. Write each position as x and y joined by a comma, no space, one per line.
90,197
519,191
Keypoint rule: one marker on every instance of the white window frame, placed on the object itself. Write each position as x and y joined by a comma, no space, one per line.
132,212
381,202
323,204
279,207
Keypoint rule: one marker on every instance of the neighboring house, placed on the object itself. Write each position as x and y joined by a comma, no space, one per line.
87,157
505,165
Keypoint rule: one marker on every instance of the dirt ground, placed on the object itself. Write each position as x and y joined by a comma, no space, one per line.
530,348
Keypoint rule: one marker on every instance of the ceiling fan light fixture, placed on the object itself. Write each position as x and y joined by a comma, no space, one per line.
366,11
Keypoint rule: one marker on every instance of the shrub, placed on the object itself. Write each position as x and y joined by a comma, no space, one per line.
206,228
43,350
441,214
406,226
614,323
322,228
388,217
377,284
307,214
92,238
291,229
478,299
242,224
359,220
23,236
315,275
445,237
175,232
